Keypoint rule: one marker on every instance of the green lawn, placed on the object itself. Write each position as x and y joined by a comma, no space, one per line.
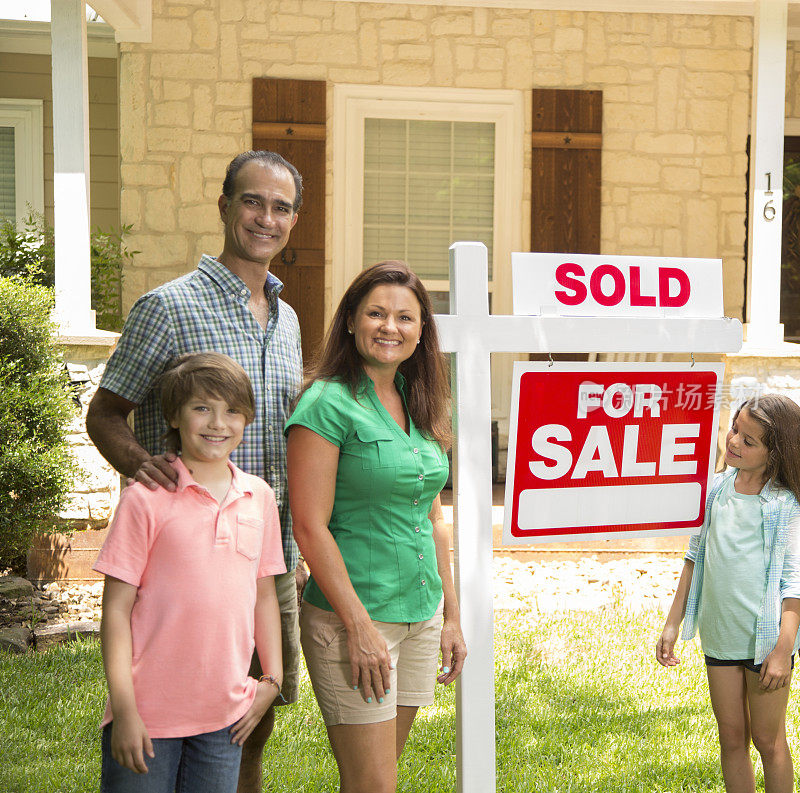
581,706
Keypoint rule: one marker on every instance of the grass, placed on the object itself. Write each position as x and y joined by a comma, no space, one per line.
581,706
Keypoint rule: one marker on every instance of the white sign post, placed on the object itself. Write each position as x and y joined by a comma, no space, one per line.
472,334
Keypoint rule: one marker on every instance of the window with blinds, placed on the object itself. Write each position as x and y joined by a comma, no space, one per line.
427,184
8,189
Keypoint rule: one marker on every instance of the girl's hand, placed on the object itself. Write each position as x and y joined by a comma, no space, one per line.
370,662
130,742
454,651
665,649
776,671
266,693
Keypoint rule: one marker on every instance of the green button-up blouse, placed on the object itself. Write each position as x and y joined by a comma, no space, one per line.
385,485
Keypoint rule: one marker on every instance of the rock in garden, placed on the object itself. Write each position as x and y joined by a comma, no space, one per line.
47,635
12,586
14,639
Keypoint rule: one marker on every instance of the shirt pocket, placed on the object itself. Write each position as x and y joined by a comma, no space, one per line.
378,447
249,532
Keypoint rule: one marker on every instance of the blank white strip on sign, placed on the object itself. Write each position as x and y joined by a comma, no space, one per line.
578,507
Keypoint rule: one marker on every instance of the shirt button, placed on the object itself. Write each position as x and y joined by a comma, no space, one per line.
420,477
416,451
416,529
415,502
420,556
243,292
423,582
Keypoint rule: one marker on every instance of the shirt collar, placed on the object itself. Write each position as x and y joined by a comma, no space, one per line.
186,480
769,492
365,383
231,283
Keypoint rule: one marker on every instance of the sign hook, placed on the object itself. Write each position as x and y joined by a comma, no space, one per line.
550,358
693,361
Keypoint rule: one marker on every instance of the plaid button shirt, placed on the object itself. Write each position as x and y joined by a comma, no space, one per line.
207,310
781,526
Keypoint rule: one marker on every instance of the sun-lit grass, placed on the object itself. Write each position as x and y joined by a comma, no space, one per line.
581,706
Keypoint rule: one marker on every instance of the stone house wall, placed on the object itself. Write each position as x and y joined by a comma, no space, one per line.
676,93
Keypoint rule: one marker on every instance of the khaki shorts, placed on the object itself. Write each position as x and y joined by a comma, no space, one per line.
414,649
286,590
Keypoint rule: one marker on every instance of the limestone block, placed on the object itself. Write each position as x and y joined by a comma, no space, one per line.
199,219
743,32
724,184
367,76
595,51
419,12
203,107
406,74
293,71
480,21
229,121
379,11
672,242
256,10
97,474
171,34
207,243
702,237
156,250
543,43
344,17
205,31
171,114
213,143
184,66
481,80
340,48
735,229
642,75
629,53
629,116
717,60
631,237
130,207
402,30
548,60
710,84
233,94
519,64
617,141
167,139
645,94
691,37
502,28
230,64
607,74
134,285
543,23
190,179
443,70
491,58
368,42
465,57
621,168
678,179
657,209
459,25
100,507
214,167
289,23
231,10
665,56
415,52
708,115
717,166
711,144
175,90
619,195
318,8
132,101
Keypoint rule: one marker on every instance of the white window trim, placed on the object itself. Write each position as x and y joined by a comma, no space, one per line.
26,116
353,103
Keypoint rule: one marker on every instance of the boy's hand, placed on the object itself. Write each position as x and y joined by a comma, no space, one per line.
266,693
130,742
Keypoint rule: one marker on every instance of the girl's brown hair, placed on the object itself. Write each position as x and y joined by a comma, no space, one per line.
779,419
203,374
427,384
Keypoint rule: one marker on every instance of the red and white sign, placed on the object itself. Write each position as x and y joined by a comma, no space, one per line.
603,450
581,285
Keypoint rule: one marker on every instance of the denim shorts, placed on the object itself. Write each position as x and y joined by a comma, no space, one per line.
205,763
747,663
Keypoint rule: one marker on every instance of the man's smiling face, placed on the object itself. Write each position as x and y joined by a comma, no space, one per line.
259,215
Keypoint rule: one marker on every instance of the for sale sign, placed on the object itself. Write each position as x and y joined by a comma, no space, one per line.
603,450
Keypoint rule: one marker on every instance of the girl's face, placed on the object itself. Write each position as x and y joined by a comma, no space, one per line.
744,448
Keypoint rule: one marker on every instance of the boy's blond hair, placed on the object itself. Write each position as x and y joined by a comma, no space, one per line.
204,374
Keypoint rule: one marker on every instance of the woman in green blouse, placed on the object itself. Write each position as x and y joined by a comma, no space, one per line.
366,457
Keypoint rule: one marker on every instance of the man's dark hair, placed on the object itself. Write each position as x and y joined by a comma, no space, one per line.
270,158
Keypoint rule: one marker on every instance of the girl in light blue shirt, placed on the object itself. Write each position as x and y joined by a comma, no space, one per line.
740,586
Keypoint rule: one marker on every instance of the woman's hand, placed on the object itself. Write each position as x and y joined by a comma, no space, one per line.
454,651
266,694
370,662
776,670
130,742
665,649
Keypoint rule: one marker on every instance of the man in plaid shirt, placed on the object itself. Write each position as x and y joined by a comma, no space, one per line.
229,304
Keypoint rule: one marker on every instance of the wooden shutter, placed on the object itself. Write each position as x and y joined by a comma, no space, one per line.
565,176
565,197
289,118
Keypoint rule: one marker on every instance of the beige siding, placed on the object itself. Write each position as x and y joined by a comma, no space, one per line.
28,77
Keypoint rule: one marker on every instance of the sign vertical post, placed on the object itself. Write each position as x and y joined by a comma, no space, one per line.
472,507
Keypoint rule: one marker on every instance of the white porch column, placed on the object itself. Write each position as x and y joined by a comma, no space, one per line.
71,165
766,174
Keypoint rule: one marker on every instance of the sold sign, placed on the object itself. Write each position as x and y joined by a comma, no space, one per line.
602,450
629,286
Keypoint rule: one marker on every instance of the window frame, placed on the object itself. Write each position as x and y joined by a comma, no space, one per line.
353,103
26,117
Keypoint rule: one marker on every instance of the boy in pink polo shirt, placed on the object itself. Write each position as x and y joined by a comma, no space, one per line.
189,592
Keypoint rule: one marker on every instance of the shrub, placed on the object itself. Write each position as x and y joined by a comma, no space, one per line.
36,468
28,251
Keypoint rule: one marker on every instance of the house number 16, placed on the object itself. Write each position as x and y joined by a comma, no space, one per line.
769,208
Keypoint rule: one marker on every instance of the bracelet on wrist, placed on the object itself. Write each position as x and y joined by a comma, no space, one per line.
272,680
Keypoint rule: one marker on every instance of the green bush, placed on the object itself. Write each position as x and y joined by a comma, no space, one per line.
36,468
28,251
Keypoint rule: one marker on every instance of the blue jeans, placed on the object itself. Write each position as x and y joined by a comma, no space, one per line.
205,763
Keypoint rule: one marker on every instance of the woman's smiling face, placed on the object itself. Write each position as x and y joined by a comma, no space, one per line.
386,326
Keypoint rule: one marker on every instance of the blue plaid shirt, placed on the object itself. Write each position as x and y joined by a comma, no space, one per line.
207,310
781,526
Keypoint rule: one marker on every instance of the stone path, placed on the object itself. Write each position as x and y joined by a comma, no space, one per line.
58,610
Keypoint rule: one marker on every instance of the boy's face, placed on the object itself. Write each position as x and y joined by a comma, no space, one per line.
210,429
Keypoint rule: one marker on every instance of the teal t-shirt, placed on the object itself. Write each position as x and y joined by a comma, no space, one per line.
385,485
734,577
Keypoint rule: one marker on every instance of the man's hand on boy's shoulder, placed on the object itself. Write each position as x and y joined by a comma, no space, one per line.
156,472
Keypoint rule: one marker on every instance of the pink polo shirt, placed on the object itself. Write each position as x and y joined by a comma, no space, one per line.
195,563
